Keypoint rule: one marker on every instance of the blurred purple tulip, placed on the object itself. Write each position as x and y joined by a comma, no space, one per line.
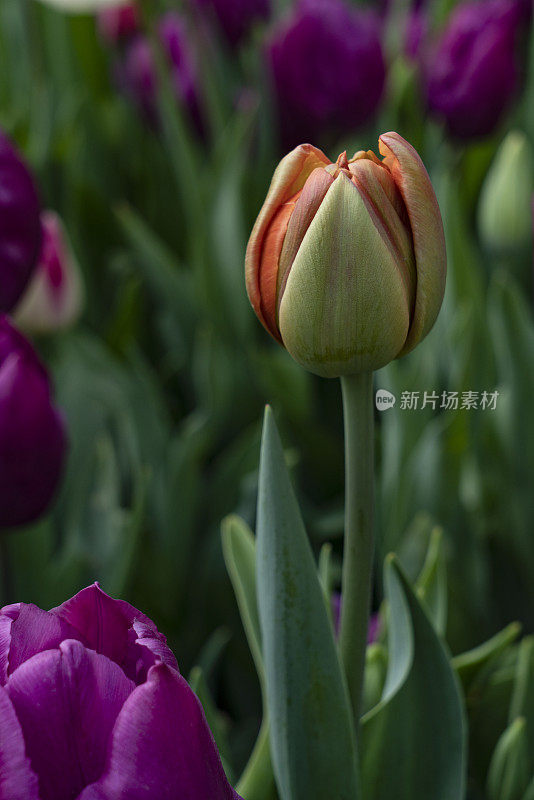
472,72
416,32
118,23
20,226
32,432
137,74
92,707
328,70
236,17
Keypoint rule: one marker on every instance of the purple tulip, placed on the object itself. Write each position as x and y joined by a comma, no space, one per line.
119,23
93,707
32,434
416,31
328,70
137,75
20,226
236,17
472,73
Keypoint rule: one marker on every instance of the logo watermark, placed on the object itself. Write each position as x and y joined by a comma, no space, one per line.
445,400
384,399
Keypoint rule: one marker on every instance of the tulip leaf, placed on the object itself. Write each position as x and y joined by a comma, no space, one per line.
239,549
421,710
312,736
469,664
431,585
376,666
158,266
522,703
509,772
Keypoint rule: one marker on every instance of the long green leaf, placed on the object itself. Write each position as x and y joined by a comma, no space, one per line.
522,704
312,737
239,549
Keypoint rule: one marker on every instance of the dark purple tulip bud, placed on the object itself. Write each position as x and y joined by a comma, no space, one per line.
173,33
236,17
117,24
92,707
137,75
328,70
472,73
32,432
20,226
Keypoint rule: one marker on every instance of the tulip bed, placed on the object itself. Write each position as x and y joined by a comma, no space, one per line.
331,598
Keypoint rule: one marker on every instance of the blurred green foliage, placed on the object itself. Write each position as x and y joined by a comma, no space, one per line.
164,380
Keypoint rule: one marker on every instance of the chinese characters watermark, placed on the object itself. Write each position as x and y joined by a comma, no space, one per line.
445,400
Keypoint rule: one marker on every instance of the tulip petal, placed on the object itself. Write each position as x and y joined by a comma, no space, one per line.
20,229
306,207
5,642
164,722
53,298
26,630
387,208
411,177
17,780
117,630
67,701
32,435
270,262
345,307
288,179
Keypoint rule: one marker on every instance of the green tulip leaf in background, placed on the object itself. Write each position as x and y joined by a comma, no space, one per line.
421,710
509,769
239,547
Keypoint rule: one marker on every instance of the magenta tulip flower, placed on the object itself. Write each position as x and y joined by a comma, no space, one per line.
93,707
118,23
20,225
32,432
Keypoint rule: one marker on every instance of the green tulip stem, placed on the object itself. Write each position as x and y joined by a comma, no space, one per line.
359,542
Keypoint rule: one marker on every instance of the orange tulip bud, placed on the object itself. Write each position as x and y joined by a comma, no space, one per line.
346,262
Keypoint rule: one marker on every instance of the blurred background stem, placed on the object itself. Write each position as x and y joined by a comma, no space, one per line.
359,545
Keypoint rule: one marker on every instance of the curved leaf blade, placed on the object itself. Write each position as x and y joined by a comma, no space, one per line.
422,715
312,736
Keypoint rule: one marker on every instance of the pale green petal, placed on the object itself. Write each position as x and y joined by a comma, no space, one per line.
344,308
